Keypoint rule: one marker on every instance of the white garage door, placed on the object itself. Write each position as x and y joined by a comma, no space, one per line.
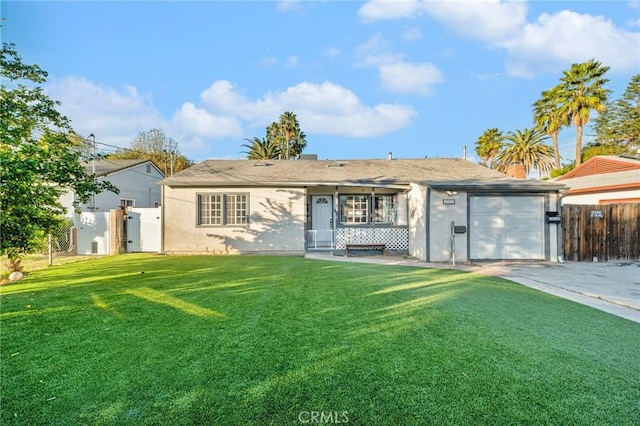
503,227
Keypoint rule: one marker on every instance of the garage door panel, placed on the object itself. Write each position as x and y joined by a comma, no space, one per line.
506,227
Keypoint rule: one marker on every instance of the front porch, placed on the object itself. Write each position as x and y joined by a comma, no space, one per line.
396,238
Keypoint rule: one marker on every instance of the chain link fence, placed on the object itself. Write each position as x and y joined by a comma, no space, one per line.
56,248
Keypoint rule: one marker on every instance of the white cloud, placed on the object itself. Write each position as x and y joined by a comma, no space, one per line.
483,19
325,108
486,20
550,42
377,10
291,6
222,113
556,41
114,116
409,78
292,61
412,34
396,74
198,121
376,52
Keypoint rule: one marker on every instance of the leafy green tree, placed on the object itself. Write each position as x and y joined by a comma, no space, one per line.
592,149
582,90
526,147
40,158
489,145
261,149
548,116
619,124
156,146
566,168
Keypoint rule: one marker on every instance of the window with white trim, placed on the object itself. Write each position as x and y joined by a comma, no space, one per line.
127,202
354,209
384,209
223,209
365,209
236,209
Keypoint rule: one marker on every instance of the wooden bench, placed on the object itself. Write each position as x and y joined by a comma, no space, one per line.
364,246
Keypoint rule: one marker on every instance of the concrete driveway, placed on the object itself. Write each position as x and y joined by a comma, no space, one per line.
610,287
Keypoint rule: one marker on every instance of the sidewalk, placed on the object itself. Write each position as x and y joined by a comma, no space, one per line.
609,287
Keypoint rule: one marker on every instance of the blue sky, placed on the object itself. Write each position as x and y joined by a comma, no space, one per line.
418,78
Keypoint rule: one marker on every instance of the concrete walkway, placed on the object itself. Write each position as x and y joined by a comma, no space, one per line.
609,287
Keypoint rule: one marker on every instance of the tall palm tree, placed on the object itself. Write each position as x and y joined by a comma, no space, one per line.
489,145
526,147
549,117
583,90
275,137
290,131
261,149
299,143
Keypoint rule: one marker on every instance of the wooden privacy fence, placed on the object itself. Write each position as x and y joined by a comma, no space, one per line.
599,233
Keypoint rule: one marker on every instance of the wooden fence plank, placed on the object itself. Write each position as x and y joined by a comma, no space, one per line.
601,232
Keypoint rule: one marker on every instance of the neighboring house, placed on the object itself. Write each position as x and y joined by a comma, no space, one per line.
410,205
96,229
136,180
604,179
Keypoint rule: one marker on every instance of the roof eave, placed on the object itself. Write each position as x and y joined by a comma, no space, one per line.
512,186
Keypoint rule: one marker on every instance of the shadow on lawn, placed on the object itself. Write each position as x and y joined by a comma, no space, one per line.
246,340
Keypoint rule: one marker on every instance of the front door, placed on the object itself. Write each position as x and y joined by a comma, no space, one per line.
321,235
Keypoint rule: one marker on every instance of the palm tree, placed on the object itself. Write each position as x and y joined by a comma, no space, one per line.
583,90
489,145
289,129
261,149
547,114
274,137
298,144
526,147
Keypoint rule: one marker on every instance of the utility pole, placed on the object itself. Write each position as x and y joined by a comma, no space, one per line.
92,137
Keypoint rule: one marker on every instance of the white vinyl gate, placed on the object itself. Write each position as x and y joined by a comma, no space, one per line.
506,227
143,229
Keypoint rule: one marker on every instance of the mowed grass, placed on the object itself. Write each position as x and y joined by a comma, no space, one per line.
273,340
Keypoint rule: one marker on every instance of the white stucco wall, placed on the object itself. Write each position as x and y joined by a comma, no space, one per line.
276,223
403,209
417,202
440,226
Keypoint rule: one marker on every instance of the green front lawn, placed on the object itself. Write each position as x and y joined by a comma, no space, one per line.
279,340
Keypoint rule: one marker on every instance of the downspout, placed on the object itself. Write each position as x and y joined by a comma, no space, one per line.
162,219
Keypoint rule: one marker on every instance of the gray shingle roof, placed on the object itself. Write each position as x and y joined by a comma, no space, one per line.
226,173
106,166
